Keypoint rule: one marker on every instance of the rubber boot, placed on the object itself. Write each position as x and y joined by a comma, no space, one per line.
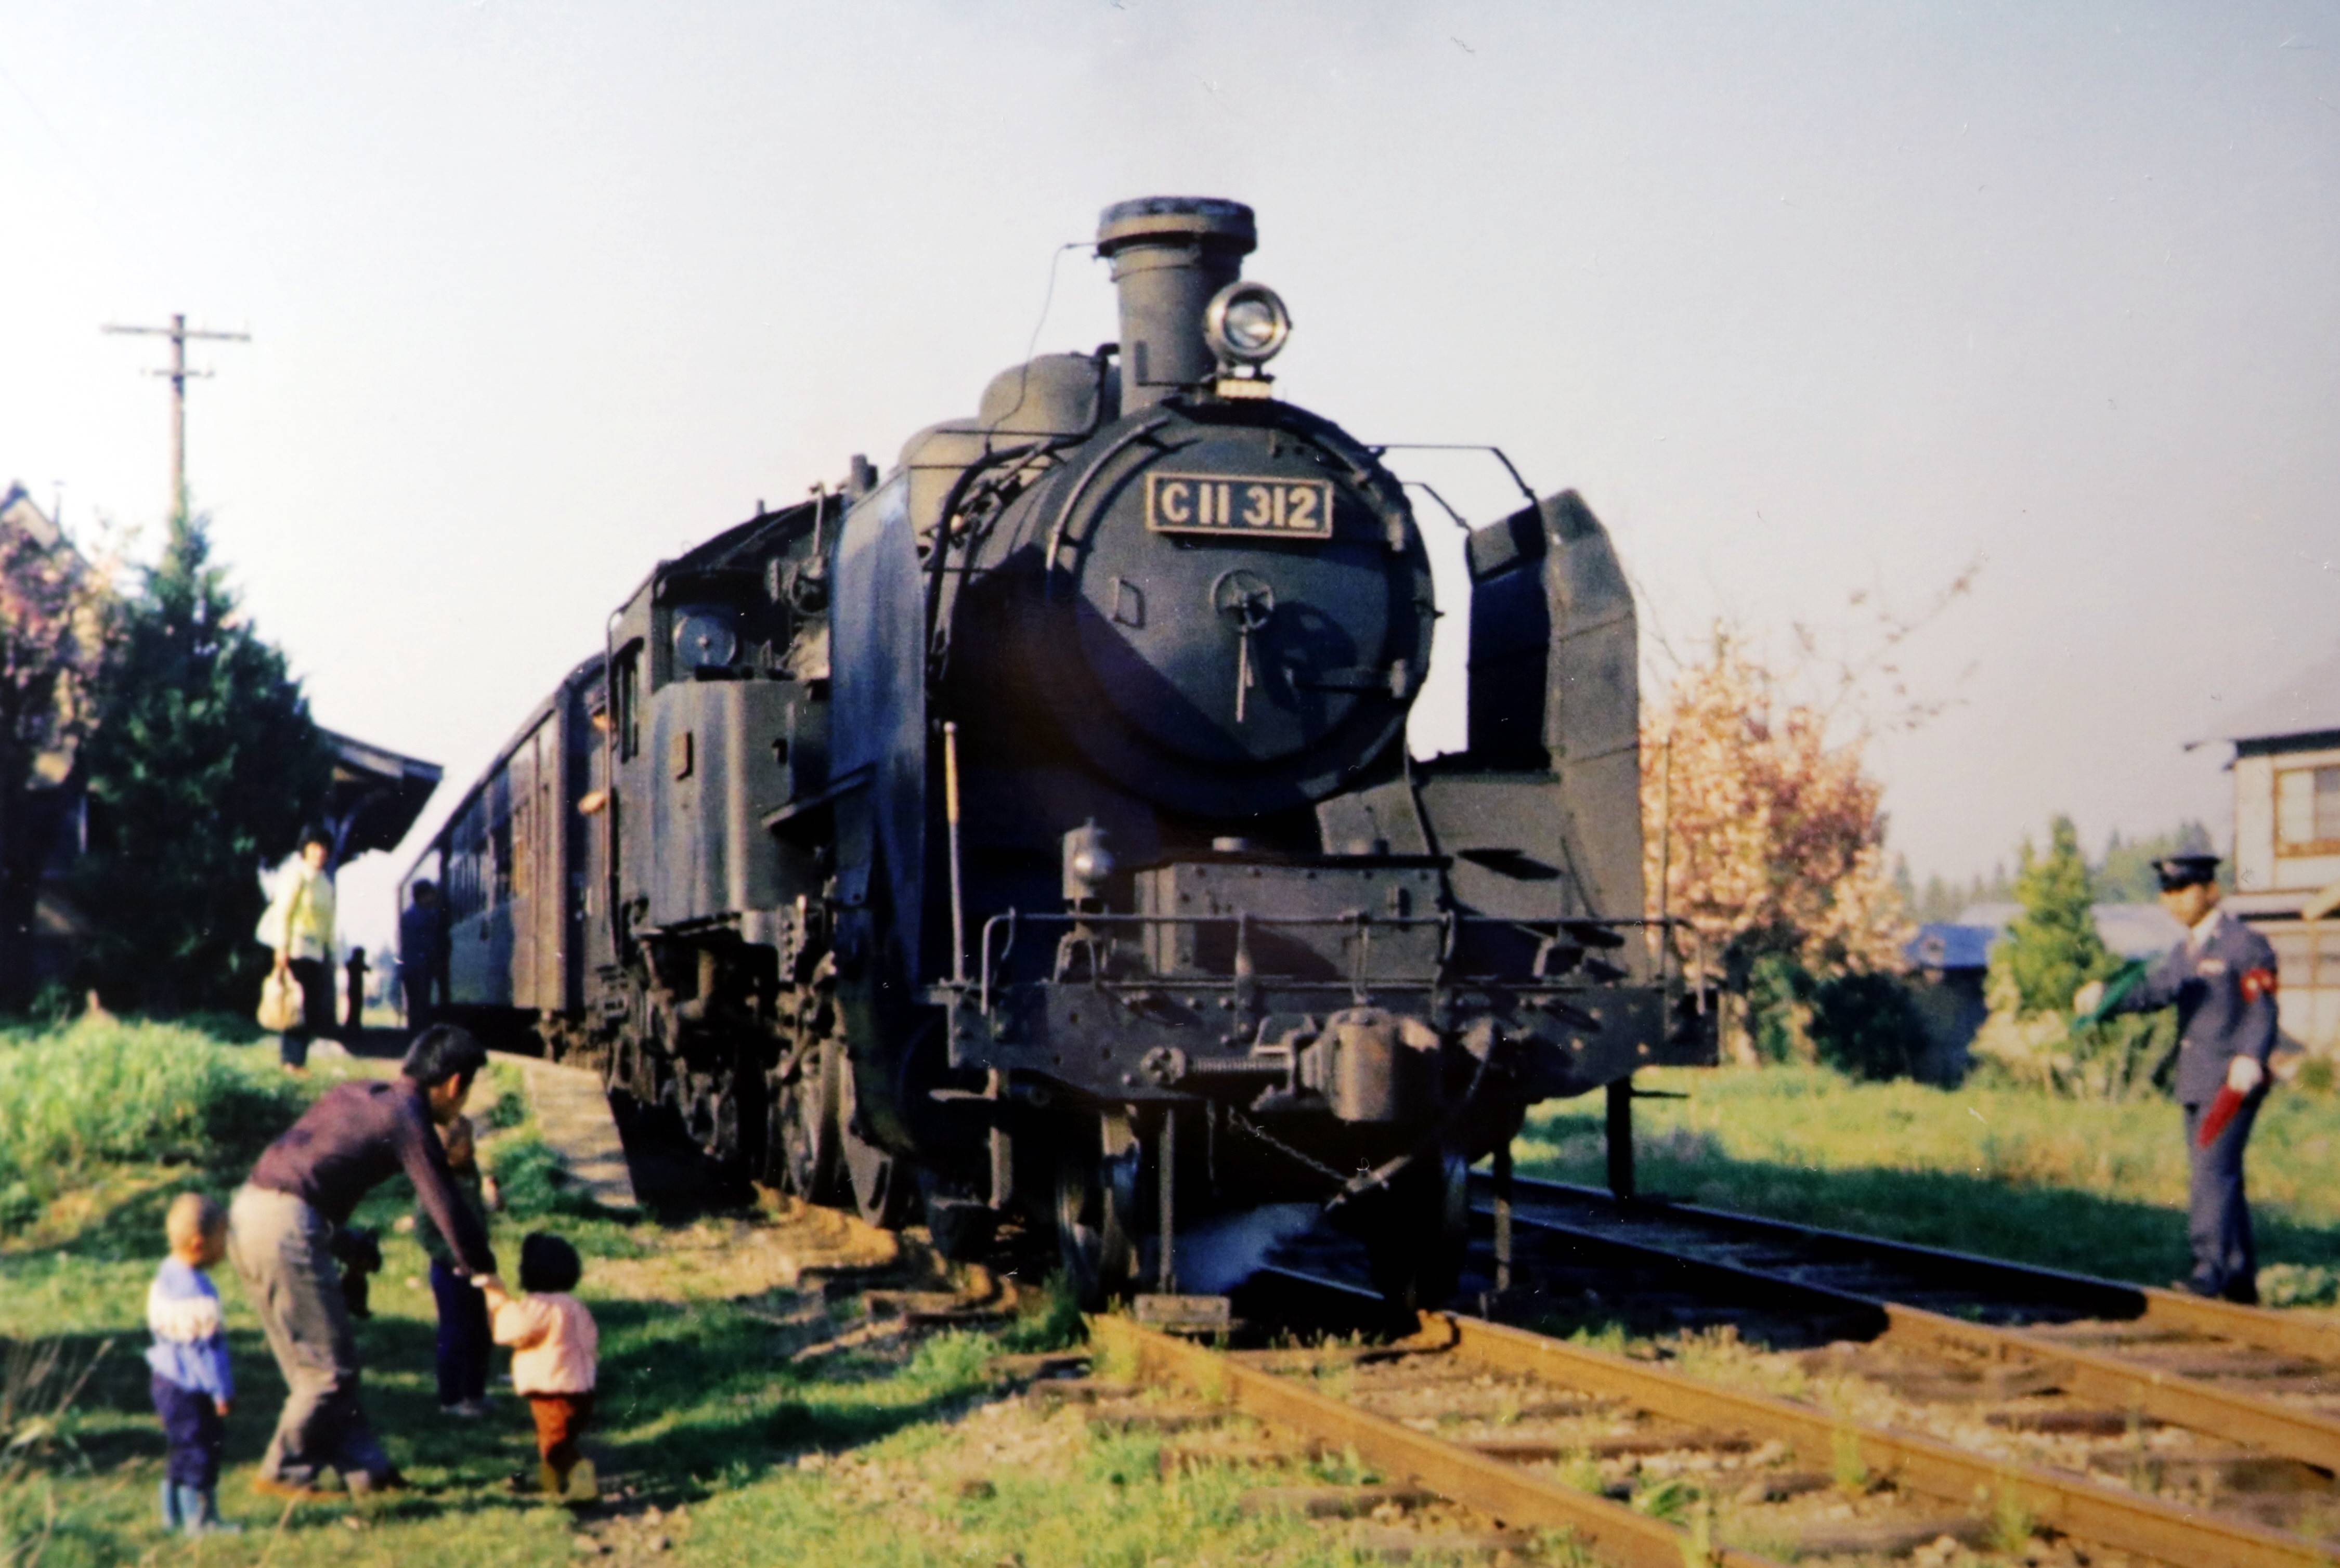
168,1496
199,1513
548,1479
583,1486
212,1515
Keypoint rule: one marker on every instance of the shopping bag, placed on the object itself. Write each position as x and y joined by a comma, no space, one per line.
279,1001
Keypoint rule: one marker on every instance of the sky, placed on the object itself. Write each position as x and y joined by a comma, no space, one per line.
1818,305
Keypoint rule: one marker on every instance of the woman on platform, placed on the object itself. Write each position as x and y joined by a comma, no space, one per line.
299,925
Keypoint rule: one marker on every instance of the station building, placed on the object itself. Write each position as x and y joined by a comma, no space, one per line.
2287,772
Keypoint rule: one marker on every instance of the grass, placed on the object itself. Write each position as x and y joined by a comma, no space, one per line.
863,1459
882,1459
2013,1173
86,1100
869,1461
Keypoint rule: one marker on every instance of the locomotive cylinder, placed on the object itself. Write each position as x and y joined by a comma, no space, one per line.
1169,255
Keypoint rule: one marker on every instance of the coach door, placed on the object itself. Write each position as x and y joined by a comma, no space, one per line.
534,773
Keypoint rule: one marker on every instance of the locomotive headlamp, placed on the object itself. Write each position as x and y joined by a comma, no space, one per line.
704,638
1247,323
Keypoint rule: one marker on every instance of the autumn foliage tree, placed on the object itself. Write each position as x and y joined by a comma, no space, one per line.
1767,837
52,614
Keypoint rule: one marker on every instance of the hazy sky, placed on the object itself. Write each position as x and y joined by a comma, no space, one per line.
1808,300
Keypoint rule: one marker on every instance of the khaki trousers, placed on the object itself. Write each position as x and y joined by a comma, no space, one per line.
282,1251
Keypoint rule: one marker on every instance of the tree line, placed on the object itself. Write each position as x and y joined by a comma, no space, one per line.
2122,874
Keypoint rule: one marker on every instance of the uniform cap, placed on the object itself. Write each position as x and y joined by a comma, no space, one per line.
2178,871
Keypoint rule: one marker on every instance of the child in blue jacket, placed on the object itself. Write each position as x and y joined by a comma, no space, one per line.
192,1386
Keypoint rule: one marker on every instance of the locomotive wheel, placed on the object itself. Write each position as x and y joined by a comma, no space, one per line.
1416,1229
882,1186
1096,1211
804,1128
712,1117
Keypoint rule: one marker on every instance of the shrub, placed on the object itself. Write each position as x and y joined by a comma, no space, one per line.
1864,1025
2298,1284
104,1090
533,1181
1867,1026
1050,1321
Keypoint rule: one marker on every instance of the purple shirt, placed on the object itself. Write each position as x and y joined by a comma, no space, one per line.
355,1137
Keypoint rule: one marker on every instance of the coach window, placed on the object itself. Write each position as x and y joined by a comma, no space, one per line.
625,696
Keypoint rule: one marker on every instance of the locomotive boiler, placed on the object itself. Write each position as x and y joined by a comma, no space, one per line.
1028,834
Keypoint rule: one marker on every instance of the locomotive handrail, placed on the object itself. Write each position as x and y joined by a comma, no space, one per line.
1379,448
1361,920
1114,448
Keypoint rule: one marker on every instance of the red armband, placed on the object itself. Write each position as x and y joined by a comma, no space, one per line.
2259,983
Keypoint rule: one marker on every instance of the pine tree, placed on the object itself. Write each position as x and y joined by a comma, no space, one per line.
203,768
2047,953
2052,948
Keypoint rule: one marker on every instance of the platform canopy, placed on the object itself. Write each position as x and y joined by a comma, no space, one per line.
375,796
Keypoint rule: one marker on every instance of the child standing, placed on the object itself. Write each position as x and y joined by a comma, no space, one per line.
463,1341
192,1385
555,1352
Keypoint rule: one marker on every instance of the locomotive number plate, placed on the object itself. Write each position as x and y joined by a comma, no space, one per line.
1231,503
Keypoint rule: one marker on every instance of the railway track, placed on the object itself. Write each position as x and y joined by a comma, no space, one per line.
1655,1468
2119,1354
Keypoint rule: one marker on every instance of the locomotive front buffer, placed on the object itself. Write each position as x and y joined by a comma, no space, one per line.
1322,1024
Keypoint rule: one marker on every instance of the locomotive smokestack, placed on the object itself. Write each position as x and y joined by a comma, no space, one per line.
1170,255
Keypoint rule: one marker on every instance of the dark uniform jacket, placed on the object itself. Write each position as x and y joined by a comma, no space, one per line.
423,947
2224,997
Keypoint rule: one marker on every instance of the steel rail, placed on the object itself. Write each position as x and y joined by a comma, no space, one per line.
2069,1504
2169,1397
1506,1491
2315,1336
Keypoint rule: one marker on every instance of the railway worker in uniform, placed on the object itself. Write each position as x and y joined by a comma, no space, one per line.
299,925
423,953
281,1230
2221,978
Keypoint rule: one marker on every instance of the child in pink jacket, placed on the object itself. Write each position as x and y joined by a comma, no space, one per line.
555,1355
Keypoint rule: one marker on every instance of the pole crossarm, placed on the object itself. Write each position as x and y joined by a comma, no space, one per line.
178,375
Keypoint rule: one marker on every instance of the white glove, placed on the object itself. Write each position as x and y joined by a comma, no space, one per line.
2244,1074
2084,999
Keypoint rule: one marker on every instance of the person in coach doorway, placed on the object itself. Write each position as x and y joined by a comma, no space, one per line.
2221,978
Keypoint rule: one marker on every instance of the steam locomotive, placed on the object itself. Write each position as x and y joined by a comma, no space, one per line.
1028,834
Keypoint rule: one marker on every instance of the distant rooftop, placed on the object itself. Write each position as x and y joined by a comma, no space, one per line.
2132,930
18,507
2309,704
1946,945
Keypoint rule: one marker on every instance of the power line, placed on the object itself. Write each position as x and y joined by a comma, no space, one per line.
178,331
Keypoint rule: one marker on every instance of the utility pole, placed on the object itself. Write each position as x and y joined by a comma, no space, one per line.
178,331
